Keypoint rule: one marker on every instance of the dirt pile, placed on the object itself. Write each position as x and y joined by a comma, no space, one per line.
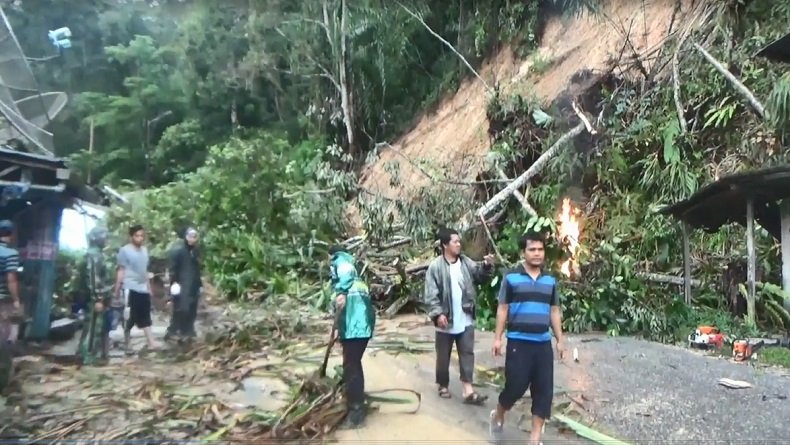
454,139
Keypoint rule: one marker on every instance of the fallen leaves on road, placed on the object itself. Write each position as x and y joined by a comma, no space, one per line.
191,393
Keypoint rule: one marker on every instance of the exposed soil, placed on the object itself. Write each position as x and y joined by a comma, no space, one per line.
453,139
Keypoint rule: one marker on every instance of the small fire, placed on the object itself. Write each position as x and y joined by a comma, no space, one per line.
569,231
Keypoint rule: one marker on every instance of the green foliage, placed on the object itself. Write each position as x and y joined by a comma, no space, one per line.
124,123
644,162
259,201
161,82
770,301
66,269
778,106
235,112
775,357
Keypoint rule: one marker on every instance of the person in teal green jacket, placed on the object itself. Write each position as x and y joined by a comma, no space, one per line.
356,319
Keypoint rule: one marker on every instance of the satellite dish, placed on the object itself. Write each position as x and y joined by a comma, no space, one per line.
26,110
26,118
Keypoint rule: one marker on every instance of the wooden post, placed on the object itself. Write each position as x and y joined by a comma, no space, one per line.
784,211
686,264
751,262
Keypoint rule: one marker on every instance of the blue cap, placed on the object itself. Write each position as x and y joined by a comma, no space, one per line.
6,225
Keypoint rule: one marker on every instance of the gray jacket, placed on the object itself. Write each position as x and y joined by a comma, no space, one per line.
436,297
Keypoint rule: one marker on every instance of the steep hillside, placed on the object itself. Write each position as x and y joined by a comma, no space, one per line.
452,141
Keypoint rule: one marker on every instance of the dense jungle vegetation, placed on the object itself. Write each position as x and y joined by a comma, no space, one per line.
253,119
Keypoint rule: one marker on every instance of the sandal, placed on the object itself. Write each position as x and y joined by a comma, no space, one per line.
444,392
475,399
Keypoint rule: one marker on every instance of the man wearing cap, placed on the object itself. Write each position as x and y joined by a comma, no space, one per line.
96,282
185,285
10,305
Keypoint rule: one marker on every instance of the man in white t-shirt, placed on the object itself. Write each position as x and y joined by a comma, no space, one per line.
450,292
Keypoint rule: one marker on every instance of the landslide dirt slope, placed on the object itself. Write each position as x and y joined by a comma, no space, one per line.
454,138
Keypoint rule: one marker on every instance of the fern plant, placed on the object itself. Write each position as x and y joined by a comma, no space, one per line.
778,106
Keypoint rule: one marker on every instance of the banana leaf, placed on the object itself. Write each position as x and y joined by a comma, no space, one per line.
587,432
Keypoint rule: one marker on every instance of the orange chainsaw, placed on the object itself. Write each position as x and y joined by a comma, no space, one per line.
743,350
705,337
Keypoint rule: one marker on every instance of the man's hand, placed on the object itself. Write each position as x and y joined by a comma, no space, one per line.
489,259
17,304
497,348
340,301
560,348
441,321
98,306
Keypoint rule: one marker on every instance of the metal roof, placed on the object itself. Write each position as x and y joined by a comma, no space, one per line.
724,201
778,50
10,153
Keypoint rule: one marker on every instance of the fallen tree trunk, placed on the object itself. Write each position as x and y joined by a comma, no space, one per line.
533,170
737,84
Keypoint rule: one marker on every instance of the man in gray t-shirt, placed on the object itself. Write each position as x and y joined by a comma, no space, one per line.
132,280
134,260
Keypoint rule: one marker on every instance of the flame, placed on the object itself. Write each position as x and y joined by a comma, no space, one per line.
568,232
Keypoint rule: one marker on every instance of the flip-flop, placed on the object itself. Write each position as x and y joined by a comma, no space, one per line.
444,392
475,399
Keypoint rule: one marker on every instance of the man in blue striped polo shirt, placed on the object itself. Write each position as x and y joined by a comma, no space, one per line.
529,305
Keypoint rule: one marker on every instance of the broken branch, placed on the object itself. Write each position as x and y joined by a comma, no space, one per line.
665,279
448,45
740,87
676,85
491,240
521,198
583,118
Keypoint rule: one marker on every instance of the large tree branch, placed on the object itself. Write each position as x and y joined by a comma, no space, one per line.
329,38
534,169
326,73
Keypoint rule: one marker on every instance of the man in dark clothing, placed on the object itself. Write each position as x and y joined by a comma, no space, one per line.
185,285
95,283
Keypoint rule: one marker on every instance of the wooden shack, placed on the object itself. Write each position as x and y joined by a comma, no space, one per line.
747,198
34,190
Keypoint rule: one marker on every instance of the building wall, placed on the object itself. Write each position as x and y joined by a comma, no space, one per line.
37,240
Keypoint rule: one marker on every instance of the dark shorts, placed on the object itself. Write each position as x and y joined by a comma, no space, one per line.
529,365
139,310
